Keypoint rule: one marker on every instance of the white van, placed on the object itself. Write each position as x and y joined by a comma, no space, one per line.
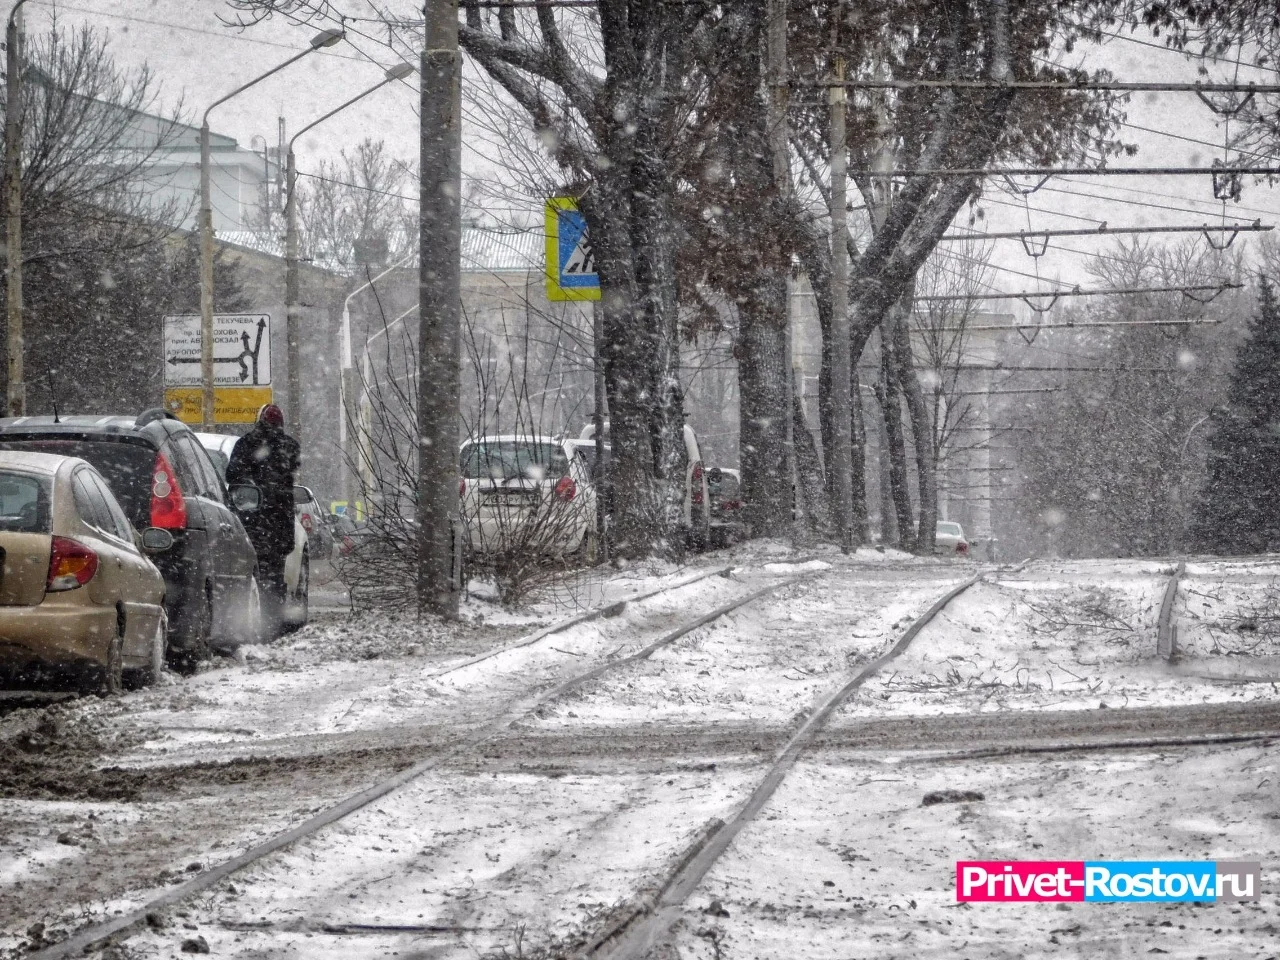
695,518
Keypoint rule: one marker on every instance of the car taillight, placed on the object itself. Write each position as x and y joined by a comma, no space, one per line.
307,522
566,489
962,547
168,508
697,483
462,489
347,545
71,565
731,505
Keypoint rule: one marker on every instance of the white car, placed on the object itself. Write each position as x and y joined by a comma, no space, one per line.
695,509
297,566
527,493
949,539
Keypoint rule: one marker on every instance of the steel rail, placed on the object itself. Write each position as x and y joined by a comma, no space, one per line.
120,927
634,940
607,611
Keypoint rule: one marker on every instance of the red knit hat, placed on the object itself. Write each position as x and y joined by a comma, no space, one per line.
270,413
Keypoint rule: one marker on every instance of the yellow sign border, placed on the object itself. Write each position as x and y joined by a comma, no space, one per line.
555,292
231,404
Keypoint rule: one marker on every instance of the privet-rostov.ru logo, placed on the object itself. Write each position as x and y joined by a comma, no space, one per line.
1102,881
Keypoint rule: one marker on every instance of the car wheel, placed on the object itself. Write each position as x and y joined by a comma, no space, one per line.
196,646
143,676
112,684
255,628
302,596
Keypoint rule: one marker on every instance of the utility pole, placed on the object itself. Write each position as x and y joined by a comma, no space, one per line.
780,148
841,362
17,388
440,299
325,38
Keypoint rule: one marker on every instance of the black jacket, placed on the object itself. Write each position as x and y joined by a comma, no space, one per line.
267,458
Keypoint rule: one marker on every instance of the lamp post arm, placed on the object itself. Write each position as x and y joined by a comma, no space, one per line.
14,12
258,79
339,109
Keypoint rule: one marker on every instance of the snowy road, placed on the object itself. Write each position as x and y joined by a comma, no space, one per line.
535,831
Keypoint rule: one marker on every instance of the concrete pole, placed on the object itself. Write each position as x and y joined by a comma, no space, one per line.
776,75
346,394
206,284
325,38
601,479
292,308
17,389
439,261
841,360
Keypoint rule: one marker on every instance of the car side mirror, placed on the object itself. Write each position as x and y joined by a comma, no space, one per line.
156,540
245,497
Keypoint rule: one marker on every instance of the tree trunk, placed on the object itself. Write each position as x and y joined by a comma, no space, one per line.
813,490
762,389
888,392
922,427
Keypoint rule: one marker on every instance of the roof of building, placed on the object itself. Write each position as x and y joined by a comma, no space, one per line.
483,250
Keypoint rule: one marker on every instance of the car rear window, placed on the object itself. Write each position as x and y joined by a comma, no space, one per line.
950,529
513,460
24,503
127,467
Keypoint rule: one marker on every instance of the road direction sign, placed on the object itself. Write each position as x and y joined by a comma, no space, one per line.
241,367
241,350
571,264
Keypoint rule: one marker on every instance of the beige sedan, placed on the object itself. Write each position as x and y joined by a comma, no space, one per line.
78,598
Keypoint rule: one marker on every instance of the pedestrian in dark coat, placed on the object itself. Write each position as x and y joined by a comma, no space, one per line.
266,457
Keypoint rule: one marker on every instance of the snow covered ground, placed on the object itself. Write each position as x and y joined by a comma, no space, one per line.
532,831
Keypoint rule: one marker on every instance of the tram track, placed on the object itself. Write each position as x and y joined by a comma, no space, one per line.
621,656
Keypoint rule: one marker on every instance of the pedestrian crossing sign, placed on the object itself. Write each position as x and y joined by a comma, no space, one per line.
571,263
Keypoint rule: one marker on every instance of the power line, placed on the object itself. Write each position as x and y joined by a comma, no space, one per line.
1048,172
1117,86
1055,295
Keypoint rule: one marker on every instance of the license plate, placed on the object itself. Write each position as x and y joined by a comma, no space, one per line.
509,500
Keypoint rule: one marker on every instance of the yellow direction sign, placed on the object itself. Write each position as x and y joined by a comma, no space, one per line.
571,263
230,404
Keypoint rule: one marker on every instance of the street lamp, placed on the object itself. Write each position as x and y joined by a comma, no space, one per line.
346,385
326,38
292,308
17,389
366,397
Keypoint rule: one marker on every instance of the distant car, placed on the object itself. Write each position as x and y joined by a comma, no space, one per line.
297,566
724,490
78,598
162,477
527,493
949,539
694,517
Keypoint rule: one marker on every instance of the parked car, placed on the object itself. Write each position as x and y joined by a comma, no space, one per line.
694,516
297,566
522,492
162,478
314,520
949,539
78,597
724,492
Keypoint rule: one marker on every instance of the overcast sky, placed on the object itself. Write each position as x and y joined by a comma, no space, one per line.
197,58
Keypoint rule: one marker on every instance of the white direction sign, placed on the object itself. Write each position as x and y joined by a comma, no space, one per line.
241,350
